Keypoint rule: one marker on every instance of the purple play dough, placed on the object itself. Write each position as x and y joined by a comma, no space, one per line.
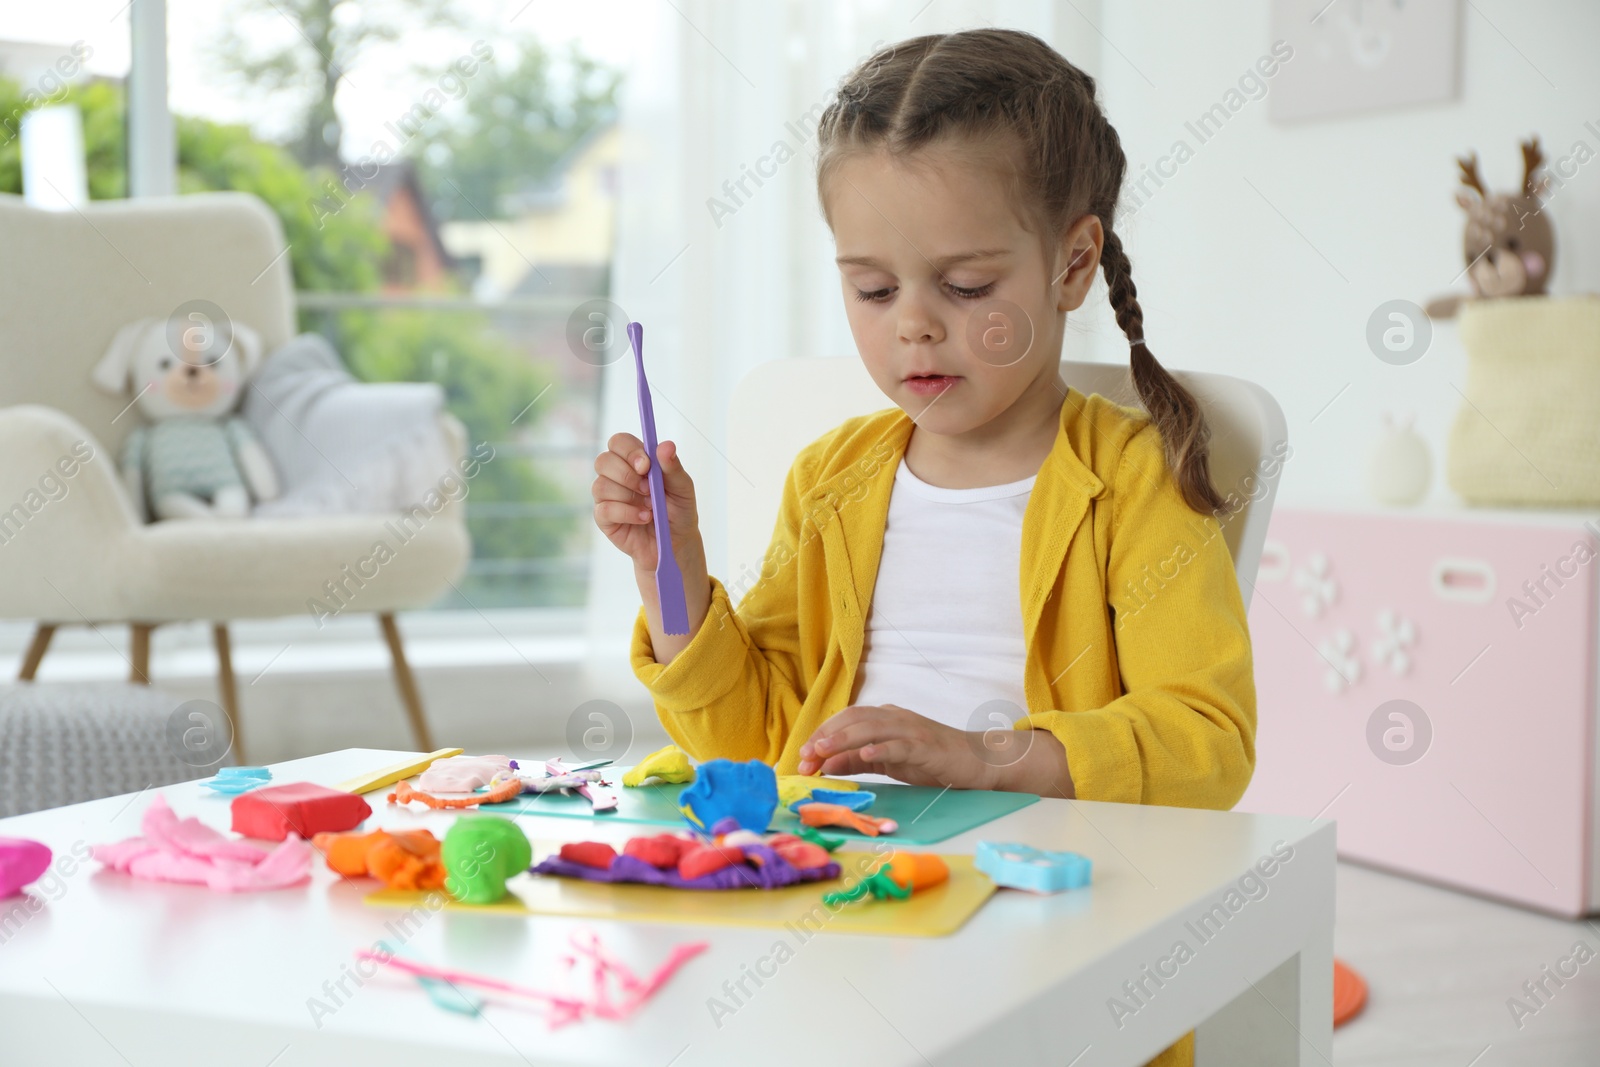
775,871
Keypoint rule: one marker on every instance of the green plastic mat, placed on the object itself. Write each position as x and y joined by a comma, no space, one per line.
926,815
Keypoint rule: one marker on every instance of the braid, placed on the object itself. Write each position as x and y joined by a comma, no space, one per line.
1119,283
1176,413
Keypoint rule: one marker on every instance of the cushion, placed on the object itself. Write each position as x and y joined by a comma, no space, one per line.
341,445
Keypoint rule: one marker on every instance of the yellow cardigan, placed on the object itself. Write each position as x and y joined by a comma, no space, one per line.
1138,651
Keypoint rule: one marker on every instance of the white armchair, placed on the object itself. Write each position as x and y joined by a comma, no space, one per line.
72,551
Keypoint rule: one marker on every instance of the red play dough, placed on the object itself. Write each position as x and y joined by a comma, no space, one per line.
590,854
703,859
273,813
661,851
803,855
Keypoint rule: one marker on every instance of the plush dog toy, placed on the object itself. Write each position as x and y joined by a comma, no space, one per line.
194,460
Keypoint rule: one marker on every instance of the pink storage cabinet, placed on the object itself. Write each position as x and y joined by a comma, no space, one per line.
1427,679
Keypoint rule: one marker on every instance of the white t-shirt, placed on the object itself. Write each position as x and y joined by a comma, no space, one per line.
944,630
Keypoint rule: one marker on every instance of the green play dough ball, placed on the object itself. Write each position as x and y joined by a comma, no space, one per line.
480,852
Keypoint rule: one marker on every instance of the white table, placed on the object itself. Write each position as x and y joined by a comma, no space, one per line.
112,970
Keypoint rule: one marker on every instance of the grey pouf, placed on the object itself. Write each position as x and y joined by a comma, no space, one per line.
63,744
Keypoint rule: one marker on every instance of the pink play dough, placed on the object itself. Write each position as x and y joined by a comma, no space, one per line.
187,850
21,863
461,774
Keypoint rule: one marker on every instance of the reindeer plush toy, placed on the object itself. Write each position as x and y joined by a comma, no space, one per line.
1508,243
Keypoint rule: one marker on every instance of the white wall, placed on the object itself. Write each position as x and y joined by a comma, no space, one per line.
1227,284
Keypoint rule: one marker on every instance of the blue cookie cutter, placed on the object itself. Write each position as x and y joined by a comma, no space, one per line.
854,799
1025,867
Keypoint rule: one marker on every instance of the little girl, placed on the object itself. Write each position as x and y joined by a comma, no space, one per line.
998,549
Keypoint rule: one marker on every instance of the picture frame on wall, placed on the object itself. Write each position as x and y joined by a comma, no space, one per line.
1353,56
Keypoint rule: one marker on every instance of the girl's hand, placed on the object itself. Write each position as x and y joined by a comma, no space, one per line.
888,739
622,501
622,511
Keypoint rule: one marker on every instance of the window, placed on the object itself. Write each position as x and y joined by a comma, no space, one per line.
68,54
421,166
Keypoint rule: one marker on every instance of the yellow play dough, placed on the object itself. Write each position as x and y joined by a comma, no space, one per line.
791,787
670,764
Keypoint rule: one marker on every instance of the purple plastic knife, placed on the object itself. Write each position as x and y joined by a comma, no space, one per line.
669,579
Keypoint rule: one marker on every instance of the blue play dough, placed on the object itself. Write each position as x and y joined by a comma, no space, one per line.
747,793
235,780
855,800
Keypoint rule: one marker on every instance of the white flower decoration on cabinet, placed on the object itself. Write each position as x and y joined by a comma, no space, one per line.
1339,653
1396,636
1318,588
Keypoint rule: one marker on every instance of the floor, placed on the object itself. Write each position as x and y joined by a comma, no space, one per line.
1441,967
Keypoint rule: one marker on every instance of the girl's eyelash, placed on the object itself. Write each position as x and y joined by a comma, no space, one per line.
877,296
973,294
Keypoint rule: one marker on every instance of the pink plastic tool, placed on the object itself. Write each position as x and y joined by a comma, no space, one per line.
608,977
669,579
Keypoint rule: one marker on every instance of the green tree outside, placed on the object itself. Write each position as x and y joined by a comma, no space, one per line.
342,256
519,121
330,37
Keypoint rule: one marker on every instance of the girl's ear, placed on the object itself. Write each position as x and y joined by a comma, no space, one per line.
1077,262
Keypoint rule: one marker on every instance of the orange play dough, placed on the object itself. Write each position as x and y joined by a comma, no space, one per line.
918,870
1349,993
407,859
506,790
818,814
